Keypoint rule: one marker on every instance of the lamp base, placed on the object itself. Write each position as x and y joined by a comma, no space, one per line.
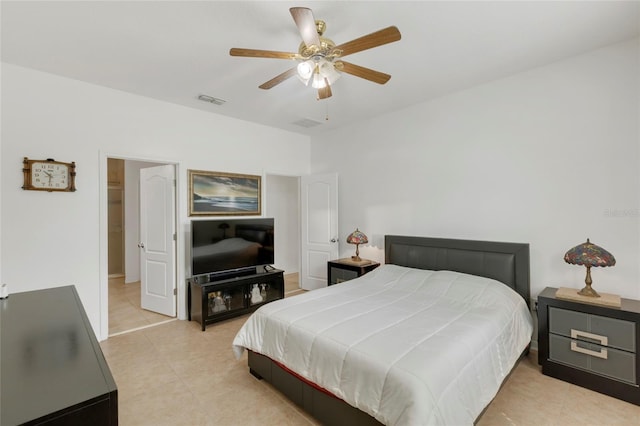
588,291
356,258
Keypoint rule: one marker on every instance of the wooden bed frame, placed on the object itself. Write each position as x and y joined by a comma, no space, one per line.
505,262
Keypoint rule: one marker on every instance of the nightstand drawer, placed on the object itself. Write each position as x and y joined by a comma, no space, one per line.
339,275
619,333
346,269
609,362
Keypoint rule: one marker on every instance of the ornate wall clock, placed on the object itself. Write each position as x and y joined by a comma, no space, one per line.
49,175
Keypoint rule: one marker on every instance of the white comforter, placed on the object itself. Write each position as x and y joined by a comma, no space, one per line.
408,346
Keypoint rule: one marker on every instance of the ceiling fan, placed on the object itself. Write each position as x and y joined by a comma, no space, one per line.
320,60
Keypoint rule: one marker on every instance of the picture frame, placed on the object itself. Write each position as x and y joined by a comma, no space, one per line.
224,194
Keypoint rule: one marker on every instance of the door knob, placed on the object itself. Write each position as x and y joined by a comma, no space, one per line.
334,240
141,245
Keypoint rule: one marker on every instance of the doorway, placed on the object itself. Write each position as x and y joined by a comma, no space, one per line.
124,312
283,203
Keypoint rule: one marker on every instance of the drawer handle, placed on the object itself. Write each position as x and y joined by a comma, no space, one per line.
576,334
602,353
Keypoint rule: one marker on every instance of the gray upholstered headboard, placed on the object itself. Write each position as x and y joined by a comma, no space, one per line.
505,262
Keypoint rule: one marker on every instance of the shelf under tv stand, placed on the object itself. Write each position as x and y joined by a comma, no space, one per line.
214,298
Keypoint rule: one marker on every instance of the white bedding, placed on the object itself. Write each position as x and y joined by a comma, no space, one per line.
407,346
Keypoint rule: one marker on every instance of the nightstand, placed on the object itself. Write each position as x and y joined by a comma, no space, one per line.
346,269
592,346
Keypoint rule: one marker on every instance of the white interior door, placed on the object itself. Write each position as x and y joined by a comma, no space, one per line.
157,239
319,223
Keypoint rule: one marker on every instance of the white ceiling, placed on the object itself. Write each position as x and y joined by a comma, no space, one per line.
174,51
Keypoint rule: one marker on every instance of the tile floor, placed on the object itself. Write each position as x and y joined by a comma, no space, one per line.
125,312
175,374
291,286
530,398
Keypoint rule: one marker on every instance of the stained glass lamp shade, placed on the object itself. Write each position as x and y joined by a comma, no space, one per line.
357,238
589,254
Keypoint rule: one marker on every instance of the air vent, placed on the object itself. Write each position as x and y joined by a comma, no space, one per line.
211,99
307,122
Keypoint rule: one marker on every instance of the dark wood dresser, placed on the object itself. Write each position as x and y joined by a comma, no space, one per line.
52,370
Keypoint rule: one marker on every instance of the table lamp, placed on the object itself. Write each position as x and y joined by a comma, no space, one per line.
589,254
357,238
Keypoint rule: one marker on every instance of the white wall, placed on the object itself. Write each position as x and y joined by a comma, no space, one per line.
283,205
548,157
54,239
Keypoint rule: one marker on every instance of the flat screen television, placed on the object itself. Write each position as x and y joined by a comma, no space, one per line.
226,245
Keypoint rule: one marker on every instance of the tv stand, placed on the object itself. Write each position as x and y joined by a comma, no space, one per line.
225,275
215,297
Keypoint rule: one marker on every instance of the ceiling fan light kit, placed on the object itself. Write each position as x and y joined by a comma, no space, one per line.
319,72
318,55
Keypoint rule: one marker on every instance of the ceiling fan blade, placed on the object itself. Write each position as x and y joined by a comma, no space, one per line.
324,92
279,79
378,38
362,72
303,17
256,53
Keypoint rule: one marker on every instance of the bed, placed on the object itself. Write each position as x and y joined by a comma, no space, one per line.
426,338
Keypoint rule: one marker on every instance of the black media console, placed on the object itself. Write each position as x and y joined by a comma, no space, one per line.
216,297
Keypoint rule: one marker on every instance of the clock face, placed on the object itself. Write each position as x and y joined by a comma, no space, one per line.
49,175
